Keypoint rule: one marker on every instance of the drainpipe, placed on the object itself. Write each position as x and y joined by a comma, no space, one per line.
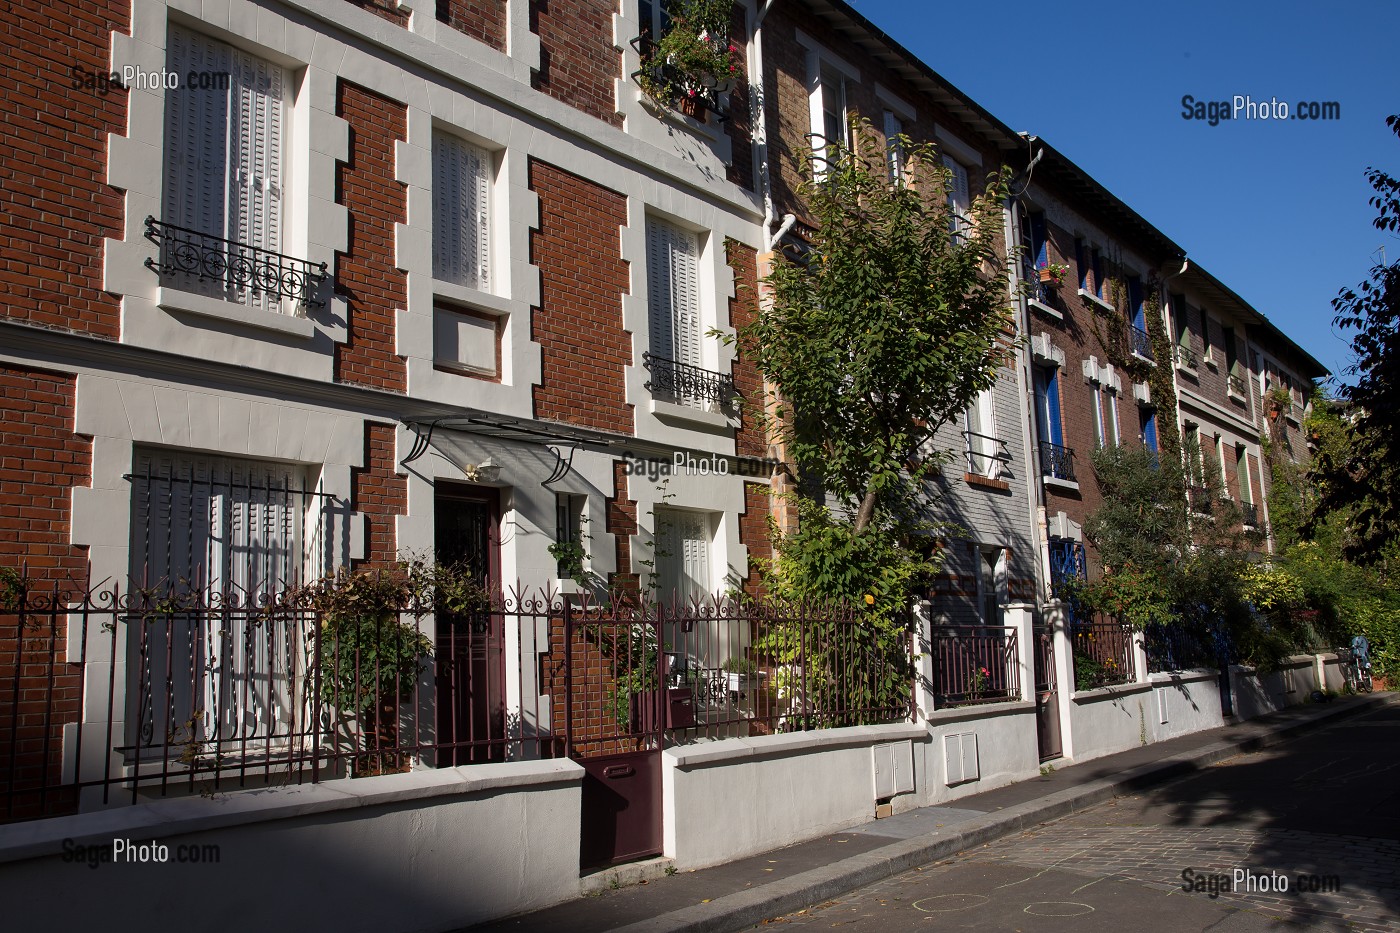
780,482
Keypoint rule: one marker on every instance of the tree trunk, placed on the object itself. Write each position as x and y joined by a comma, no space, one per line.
867,511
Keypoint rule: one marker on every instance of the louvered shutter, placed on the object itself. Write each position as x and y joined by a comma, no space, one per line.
196,145
673,292
683,554
461,212
959,198
255,159
696,544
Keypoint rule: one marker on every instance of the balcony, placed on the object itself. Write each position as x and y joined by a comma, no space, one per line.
1186,358
686,385
691,94
985,454
236,272
1235,386
1057,462
1249,513
1139,342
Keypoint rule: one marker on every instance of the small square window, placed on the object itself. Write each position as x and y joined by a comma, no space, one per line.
467,341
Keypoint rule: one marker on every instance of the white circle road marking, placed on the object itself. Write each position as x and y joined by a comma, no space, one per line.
965,902
1057,909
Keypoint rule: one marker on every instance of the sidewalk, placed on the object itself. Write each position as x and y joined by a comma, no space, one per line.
740,894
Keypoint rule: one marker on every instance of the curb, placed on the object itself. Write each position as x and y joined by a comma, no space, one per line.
744,909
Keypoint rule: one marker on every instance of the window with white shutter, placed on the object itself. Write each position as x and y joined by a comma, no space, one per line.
461,212
233,534
683,541
894,150
983,446
673,312
224,167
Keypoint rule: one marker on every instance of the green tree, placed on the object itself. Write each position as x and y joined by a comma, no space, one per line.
1363,476
886,328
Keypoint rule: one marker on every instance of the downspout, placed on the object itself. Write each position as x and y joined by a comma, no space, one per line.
780,482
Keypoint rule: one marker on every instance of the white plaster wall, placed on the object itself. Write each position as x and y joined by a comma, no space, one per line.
1257,695
737,797
1191,701
1006,749
426,851
1112,719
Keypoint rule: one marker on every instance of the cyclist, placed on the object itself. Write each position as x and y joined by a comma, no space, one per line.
1361,654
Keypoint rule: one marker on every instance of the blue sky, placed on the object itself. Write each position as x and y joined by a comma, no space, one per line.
1276,210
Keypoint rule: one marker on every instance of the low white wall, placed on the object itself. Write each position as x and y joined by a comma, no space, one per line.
1184,702
1255,695
1006,749
1334,675
733,798
1111,719
426,851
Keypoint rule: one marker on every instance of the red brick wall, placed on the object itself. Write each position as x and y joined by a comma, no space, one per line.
578,61
480,19
379,493
750,440
384,9
366,275
41,459
739,127
578,324
55,204
621,521
753,533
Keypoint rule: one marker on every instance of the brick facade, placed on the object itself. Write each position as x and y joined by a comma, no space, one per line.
41,460
753,533
621,522
578,61
55,204
577,248
366,275
379,493
751,439
481,19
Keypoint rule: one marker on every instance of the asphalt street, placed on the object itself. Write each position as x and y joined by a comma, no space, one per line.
1320,814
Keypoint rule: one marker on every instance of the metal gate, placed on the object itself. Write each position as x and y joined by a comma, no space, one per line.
615,727
1047,699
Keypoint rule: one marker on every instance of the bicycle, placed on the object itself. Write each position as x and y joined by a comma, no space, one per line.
1358,669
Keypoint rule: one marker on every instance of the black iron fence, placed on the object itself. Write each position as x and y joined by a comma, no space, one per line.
975,664
1179,648
118,697
1139,341
1103,653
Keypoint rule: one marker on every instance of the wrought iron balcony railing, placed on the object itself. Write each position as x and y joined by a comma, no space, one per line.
236,268
1186,357
1249,513
690,91
1139,341
1036,290
674,381
1057,462
1235,385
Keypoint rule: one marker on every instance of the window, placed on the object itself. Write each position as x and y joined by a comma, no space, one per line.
1082,265
1242,475
1149,428
673,308
1195,457
992,583
1105,415
1111,416
467,341
568,530
1100,276
683,544
1047,405
959,198
983,447
461,212
1206,351
224,173
1066,564
237,533
894,149
829,119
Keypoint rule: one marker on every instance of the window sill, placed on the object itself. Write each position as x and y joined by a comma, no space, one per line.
670,411
471,297
1146,359
1210,361
1045,309
1236,397
1188,371
1063,485
1095,299
462,369
172,299
986,482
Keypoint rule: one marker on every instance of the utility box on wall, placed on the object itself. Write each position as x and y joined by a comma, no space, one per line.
960,755
894,769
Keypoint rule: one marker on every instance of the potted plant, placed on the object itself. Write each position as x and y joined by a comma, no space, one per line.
694,61
740,675
1053,273
1277,399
